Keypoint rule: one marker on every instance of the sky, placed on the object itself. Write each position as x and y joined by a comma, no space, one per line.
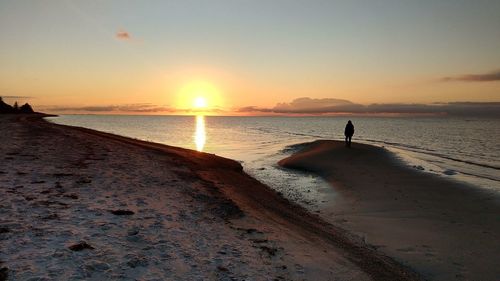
249,57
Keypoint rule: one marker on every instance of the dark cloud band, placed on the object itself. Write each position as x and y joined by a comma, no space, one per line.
137,108
334,106
492,76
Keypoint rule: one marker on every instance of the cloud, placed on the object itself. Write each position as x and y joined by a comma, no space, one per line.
491,76
132,108
16,97
123,35
336,106
128,108
306,105
253,109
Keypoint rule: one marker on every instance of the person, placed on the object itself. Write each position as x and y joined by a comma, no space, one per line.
348,132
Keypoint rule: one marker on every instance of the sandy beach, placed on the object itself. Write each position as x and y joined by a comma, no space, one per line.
78,204
444,229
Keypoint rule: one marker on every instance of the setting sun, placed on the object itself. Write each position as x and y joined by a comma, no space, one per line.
200,102
198,96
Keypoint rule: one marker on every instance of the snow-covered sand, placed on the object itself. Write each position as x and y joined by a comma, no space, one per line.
77,204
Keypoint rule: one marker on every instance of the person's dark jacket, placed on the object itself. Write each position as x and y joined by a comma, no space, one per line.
349,130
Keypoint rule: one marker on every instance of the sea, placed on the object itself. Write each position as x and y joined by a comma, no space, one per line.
463,149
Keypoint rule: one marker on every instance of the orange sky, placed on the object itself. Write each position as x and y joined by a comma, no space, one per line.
71,56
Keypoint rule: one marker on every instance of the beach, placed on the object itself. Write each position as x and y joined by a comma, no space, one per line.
442,228
78,204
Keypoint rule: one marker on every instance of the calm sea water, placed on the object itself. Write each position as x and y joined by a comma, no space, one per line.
465,149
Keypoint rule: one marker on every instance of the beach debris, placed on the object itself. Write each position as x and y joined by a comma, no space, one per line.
82,245
121,212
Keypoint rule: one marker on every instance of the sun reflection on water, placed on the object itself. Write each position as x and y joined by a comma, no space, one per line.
200,135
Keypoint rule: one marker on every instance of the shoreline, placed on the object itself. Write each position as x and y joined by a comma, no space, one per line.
236,204
444,229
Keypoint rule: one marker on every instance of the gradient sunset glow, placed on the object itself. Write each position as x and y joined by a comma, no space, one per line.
249,57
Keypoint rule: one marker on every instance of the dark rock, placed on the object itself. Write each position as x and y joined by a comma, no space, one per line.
221,268
269,250
450,172
83,180
59,175
133,232
137,261
259,240
51,217
122,212
4,230
253,230
4,273
38,182
97,266
80,246
226,209
72,196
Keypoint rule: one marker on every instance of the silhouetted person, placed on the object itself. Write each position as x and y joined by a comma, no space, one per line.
348,132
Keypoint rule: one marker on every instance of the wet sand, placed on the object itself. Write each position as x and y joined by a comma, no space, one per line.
444,229
78,204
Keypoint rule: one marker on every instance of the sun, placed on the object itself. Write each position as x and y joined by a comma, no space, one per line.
200,103
199,96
